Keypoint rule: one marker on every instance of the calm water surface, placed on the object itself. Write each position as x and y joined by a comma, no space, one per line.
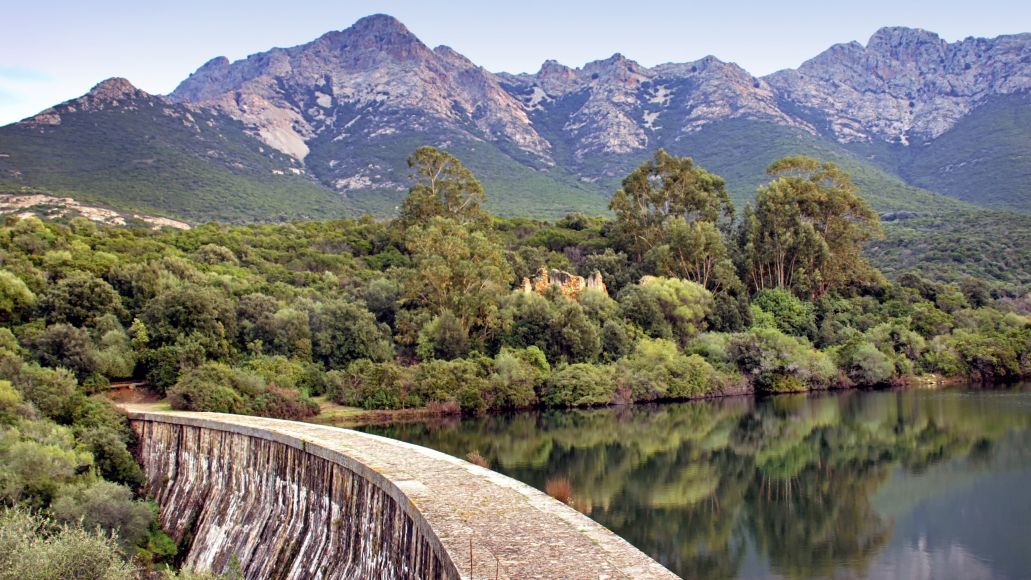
903,484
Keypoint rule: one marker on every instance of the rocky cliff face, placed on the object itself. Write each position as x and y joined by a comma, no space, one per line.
375,84
358,87
906,85
340,115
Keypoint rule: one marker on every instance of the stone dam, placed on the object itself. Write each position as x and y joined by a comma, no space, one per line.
295,500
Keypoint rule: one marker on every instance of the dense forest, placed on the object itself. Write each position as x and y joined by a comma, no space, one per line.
447,307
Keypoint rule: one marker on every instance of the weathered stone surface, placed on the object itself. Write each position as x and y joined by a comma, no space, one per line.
296,500
906,85
570,285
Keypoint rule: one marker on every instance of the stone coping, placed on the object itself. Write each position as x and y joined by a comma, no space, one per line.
503,527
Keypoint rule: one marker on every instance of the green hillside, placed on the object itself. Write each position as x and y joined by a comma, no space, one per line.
985,159
989,245
515,187
152,158
741,149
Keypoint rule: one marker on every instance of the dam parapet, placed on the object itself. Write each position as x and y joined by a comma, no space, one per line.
297,500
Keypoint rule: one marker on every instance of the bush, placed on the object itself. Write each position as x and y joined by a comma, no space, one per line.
52,391
776,362
668,308
656,369
443,338
36,460
864,364
579,385
789,314
464,381
516,376
371,385
33,547
106,506
215,387
79,300
61,345
343,332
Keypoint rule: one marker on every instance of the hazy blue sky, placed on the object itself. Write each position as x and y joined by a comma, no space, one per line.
54,51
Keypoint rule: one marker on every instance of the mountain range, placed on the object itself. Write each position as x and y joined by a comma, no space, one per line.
324,128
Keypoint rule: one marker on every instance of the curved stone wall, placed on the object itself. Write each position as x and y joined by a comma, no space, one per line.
296,500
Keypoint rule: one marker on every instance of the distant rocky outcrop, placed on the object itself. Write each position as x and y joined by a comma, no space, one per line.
341,114
906,85
351,91
570,285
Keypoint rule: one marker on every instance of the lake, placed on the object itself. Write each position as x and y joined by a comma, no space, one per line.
916,483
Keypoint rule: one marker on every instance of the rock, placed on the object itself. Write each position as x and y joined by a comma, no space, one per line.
570,285
906,85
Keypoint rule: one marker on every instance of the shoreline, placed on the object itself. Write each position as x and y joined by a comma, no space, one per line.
354,417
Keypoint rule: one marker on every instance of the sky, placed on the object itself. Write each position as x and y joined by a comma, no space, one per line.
54,51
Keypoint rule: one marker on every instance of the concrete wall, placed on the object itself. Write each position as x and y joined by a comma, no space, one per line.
295,500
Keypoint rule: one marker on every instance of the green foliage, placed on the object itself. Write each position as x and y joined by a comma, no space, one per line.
579,385
15,296
808,230
105,506
667,307
657,369
787,313
776,362
346,331
223,389
371,385
33,547
79,299
444,188
52,391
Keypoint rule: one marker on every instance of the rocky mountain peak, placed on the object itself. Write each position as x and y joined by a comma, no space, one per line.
114,89
112,93
897,40
905,84
382,27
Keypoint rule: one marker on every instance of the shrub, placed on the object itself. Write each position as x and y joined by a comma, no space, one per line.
579,385
33,547
790,315
371,385
52,391
61,345
775,362
656,369
667,307
864,364
516,376
443,338
215,387
464,381
106,506
343,332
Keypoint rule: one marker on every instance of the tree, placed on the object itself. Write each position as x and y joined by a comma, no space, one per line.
15,296
343,332
457,269
61,345
667,307
808,229
79,299
662,190
443,188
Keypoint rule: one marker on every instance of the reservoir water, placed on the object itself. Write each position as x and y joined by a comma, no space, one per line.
912,483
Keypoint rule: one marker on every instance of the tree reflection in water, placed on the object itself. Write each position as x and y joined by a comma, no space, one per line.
697,485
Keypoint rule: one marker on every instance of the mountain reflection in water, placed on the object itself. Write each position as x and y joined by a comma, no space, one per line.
913,483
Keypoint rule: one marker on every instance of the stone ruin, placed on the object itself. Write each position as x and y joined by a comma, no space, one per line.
569,284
